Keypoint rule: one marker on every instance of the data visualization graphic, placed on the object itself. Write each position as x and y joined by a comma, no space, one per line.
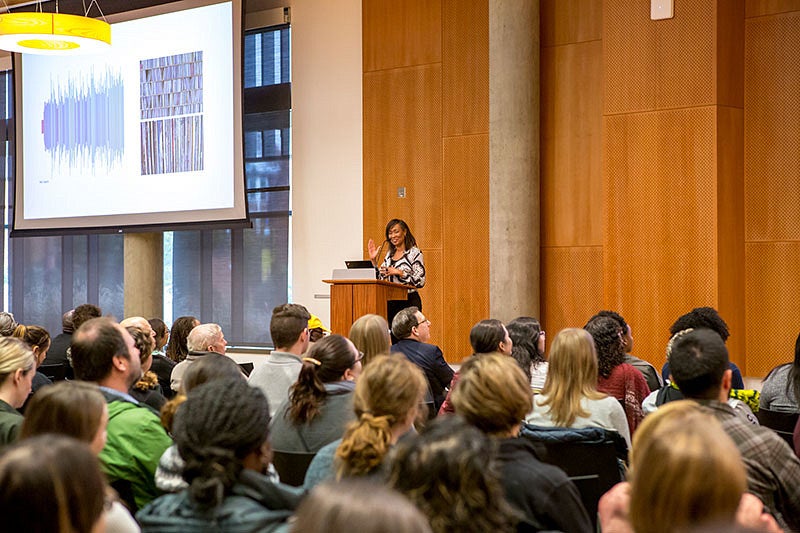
83,121
172,113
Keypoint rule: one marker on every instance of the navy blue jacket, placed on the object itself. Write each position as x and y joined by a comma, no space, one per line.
430,359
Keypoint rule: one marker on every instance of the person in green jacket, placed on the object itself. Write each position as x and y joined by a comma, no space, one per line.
104,352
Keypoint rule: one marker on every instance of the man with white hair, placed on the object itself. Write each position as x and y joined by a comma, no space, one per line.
203,340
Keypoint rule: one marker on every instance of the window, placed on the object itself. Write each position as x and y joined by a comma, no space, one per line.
235,277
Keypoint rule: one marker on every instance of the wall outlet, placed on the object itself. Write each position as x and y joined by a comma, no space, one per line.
401,192
661,9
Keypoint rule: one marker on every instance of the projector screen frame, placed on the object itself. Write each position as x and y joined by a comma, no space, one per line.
145,222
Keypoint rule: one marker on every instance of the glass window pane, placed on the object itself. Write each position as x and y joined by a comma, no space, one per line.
186,264
266,274
274,173
267,202
111,274
221,279
80,269
41,296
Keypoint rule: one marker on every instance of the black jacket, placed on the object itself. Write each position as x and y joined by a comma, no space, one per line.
430,359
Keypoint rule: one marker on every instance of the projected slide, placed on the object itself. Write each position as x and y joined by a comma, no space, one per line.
172,86
148,133
82,122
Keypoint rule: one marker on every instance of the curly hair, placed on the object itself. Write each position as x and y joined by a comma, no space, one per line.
451,474
524,332
326,362
607,336
219,424
387,392
701,317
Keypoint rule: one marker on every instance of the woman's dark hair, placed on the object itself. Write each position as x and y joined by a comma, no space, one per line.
325,362
450,473
486,335
607,337
51,483
176,347
524,332
701,317
201,371
375,508
159,327
409,242
220,423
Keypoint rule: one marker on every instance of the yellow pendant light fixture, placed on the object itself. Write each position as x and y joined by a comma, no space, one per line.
53,33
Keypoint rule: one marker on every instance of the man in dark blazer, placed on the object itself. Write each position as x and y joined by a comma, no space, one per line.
414,332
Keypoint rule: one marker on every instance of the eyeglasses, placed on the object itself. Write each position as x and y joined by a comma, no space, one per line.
541,333
359,358
423,321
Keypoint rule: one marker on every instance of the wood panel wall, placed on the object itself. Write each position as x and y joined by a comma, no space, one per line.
772,181
426,128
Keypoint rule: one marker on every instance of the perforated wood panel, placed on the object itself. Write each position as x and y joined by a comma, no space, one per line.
433,297
572,287
661,225
401,33
571,122
466,246
465,67
658,64
773,316
772,128
755,8
403,148
570,21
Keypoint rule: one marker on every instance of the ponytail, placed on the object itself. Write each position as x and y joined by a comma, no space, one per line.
365,443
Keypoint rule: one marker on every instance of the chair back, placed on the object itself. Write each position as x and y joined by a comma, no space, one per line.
292,466
125,492
591,457
56,372
781,423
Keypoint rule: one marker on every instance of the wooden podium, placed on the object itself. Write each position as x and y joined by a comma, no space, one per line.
353,298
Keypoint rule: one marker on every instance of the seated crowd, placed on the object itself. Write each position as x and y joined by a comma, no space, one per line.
137,426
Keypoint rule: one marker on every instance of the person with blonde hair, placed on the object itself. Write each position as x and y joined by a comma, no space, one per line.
386,401
17,368
494,395
685,473
38,340
370,334
570,397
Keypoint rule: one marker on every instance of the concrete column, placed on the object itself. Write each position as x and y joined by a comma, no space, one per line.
144,275
514,158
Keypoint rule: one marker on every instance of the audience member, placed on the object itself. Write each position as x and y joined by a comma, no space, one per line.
617,378
203,340
450,473
221,432
17,368
570,397
162,365
487,336
7,324
61,342
320,402
685,473
104,352
51,484
704,317
146,390
141,323
527,349
386,402
38,340
781,388
648,371
494,396
279,370
413,332
84,313
176,349
316,329
699,364
77,409
370,334
369,507
169,474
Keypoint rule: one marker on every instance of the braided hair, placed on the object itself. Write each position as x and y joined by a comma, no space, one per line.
387,391
325,362
219,424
